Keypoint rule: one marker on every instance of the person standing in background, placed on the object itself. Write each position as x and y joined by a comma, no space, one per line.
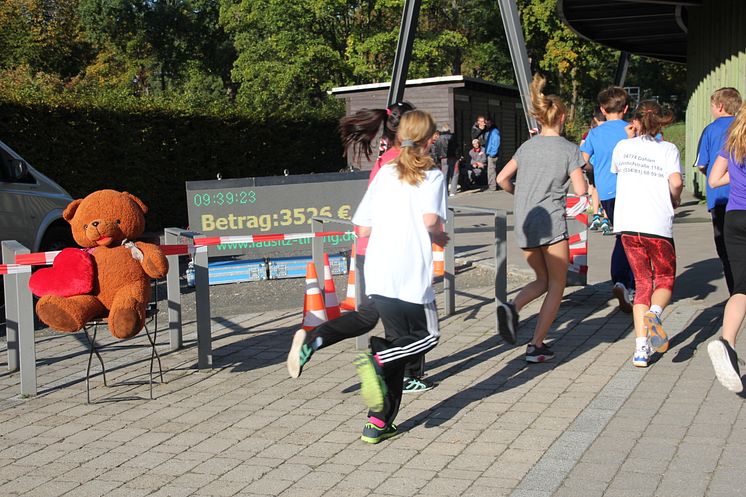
479,131
724,104
449,145
492,150
436,150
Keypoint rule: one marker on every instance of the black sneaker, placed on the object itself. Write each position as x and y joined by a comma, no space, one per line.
538,354
725,361
373,434
507,322
300,352
414,385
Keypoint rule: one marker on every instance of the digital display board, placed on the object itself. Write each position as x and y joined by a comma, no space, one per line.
274,204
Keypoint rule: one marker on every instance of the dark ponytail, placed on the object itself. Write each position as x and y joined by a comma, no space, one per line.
652,118
359,130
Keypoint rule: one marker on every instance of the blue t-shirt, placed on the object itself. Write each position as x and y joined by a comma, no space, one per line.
599,144
710,143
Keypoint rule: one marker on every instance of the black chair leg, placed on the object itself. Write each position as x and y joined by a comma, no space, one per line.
92,344
153,355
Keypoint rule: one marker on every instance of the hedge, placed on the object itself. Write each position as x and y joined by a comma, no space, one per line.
152,153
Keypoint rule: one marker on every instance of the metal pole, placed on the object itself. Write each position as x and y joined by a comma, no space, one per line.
10,283
24,320
449,278
317,253
621,69
202,300
519,56
407,31
501,257
173,291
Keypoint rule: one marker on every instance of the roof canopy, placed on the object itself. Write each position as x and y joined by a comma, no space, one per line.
652,28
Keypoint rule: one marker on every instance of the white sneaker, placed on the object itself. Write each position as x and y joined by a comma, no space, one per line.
622,295
642,355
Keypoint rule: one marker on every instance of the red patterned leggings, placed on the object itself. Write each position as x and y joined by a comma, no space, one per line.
653,262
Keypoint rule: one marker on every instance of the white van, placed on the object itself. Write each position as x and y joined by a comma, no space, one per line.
31,206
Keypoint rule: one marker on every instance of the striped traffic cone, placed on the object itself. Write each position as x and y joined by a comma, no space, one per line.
314,302
350,303
439,260
330,293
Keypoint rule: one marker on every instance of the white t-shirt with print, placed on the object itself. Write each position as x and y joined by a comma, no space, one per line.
643,199
399,257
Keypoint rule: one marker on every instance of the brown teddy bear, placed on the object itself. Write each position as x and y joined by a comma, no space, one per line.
105,223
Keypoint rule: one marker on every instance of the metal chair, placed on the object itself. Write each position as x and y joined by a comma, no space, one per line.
151,317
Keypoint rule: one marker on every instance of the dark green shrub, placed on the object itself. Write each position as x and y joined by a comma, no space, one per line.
151,152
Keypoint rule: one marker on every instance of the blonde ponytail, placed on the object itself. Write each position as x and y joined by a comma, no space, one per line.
547,109
415,131
735,144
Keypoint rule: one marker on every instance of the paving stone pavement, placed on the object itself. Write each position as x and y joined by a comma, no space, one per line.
588,424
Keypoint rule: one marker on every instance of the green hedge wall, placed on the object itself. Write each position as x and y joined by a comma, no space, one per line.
152,153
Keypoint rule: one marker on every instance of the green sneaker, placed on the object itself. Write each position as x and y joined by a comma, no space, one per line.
300,353
373,434
372,387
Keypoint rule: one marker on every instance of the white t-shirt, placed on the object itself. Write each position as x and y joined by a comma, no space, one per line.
643,199
399,257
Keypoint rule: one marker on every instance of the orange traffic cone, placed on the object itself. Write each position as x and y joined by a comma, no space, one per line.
439,260
330,293
314,302
350,303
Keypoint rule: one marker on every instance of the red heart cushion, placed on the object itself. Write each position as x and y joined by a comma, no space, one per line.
71,274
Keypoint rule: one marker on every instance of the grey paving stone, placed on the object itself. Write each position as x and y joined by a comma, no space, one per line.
446,486
682,484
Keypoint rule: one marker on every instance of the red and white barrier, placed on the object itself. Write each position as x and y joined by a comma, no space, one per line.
577,227
47,258
14,269
37,258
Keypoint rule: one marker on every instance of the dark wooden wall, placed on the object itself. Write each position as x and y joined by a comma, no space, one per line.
457,105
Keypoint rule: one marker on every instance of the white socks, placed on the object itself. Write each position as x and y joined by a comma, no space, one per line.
640,342
656,309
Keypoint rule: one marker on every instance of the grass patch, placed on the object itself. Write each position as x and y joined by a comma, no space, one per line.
676,134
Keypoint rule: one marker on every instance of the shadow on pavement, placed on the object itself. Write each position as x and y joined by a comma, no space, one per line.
694,282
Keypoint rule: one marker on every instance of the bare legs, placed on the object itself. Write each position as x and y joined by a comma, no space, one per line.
550,265
660,297
735,310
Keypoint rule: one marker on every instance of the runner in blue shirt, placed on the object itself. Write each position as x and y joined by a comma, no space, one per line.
600,144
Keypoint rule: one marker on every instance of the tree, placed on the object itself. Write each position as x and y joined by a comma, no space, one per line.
577,67
166,39
44,35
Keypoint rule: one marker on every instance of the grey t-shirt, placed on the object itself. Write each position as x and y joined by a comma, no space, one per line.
542,178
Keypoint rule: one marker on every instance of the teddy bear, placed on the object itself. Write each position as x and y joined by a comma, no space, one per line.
105,223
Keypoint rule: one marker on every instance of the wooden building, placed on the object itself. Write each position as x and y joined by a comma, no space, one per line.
456,100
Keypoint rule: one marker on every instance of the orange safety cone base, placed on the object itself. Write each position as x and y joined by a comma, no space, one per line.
330,292
314,302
